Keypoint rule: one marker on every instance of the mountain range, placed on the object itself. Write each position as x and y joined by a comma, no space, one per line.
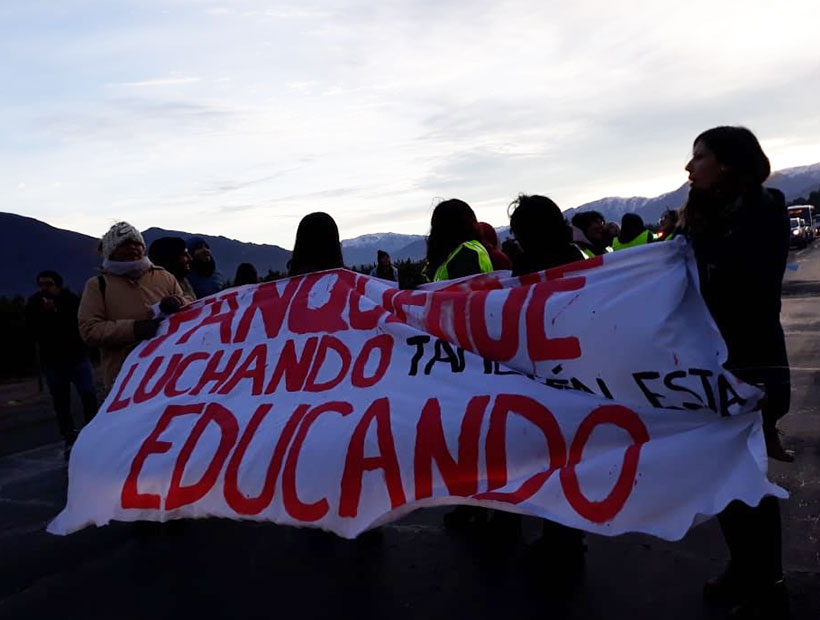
28,246
793,182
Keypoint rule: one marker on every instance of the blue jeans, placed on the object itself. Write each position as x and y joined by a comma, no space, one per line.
59,377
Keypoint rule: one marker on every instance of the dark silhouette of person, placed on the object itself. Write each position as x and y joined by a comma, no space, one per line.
543,235
51,317
453,246
384,268
317,246
633,232
245,274
545,239
739,232
171,253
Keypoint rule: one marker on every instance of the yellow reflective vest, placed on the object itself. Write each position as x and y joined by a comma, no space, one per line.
639,240
588,253
484,263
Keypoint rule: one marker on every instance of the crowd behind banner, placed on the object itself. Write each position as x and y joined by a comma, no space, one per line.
737,229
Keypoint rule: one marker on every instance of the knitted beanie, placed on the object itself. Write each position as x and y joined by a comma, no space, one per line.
118,234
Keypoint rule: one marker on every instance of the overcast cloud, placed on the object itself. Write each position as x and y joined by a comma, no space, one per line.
237,118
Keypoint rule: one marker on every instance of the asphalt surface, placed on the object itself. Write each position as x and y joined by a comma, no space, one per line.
413,569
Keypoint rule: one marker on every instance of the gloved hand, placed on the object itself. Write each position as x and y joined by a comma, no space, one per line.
146,329
171,304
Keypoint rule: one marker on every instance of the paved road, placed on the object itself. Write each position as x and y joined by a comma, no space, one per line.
223,569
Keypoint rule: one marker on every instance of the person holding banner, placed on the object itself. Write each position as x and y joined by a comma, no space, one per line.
546,240
317,246
454,249
739,232
115,309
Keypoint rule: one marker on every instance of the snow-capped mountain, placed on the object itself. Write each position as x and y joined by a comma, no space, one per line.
28,245
793,182
796,182
362,250
650,209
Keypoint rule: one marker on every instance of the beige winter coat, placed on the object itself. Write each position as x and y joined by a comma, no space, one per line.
107,321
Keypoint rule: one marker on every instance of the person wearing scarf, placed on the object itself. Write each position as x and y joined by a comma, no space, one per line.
115,309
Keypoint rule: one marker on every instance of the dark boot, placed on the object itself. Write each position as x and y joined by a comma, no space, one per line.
774,448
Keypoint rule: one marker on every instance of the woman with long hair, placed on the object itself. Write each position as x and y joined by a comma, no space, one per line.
317,246
545,239
739,232
454,250
453,246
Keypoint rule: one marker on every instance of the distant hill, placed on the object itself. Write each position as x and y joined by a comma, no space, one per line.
650,209
28,246
793,182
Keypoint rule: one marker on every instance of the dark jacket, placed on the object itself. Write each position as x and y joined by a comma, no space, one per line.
741,269
56,330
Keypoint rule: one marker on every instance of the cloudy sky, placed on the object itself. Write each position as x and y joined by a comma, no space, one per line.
237,118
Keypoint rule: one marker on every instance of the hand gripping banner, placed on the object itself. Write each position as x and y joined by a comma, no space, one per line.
592,395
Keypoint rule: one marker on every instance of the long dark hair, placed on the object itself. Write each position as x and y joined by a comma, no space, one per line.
542,233
746,167
453,222
317,246
538,224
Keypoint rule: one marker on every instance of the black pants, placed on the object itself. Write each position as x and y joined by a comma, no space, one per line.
59,378
753,536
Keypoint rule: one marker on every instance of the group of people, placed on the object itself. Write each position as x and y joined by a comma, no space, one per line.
458,245
738,230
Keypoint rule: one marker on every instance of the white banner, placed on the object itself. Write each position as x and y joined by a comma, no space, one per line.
591,395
